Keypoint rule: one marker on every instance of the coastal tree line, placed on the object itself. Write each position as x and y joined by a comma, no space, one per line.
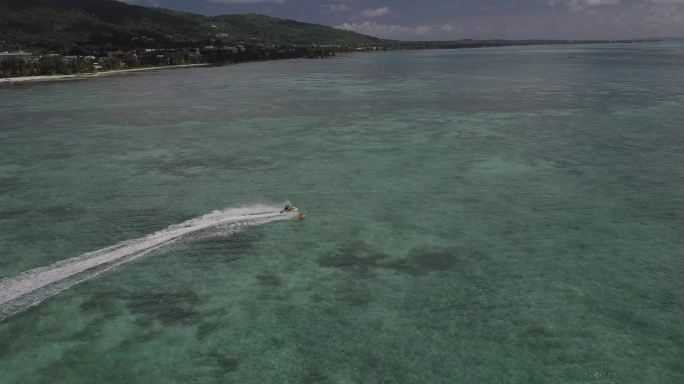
44,65
56,64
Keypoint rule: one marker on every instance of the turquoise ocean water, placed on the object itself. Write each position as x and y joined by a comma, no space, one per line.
507,215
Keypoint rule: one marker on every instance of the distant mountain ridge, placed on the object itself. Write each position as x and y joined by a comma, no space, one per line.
77,25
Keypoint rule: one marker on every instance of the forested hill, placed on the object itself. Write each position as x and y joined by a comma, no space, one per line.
74,25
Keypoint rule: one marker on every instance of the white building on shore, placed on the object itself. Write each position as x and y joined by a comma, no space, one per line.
17,55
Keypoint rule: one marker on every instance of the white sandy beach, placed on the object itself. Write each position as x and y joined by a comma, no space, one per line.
23,79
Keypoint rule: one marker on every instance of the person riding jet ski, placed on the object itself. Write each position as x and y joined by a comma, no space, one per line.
289,208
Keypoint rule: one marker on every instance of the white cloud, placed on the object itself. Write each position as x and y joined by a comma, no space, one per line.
582,5
246,1
669,14
390,31
447,28
335,8
377,12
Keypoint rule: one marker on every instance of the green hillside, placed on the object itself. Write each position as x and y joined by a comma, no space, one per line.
61,25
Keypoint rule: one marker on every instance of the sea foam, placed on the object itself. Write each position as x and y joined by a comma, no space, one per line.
35,285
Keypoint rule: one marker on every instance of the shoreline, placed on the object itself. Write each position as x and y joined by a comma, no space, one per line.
78,76
4,81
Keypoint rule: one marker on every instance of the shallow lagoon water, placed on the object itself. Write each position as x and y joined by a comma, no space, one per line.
507,215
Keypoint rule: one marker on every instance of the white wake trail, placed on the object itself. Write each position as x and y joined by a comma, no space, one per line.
33,286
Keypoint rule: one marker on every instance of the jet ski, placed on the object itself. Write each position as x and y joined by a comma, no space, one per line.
290,208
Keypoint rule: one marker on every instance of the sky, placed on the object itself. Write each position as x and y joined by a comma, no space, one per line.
463,19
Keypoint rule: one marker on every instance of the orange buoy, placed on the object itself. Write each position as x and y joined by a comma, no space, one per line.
302,217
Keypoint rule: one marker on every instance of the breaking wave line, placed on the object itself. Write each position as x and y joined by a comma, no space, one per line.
33,286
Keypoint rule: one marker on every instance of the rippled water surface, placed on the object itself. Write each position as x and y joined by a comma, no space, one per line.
508,215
